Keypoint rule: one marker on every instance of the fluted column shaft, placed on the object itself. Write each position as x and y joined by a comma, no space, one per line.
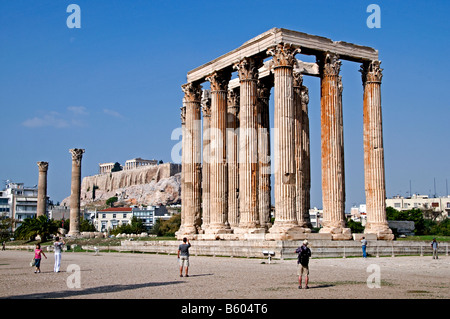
183,168
42,189
218,165
206,176
264,87
233,157
374,174
248,144
332,151
192,157
77,155
306,160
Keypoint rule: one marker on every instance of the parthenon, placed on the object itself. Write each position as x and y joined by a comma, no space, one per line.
226,160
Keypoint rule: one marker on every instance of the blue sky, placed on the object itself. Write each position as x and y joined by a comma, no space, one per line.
113,86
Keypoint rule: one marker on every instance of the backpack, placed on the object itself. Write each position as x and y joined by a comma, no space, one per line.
303,256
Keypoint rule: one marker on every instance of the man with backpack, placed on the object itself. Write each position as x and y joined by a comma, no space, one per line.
304,253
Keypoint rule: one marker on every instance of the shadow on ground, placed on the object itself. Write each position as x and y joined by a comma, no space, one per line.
90,291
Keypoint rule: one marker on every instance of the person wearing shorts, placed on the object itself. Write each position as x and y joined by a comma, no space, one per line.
183,256
304,253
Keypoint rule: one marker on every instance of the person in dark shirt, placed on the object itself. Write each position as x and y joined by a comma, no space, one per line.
304,253
183,256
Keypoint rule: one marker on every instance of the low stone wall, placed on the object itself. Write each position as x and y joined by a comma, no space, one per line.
284,249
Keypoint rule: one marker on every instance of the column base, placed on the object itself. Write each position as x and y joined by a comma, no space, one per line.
287,232
73,233
382,231
218,229
186,231
337,233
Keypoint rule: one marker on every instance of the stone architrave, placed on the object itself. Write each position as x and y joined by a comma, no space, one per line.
191,166
248,145
233,157
285,225
333,192
374,175
42,189
77,155
218,153
206,111
264,87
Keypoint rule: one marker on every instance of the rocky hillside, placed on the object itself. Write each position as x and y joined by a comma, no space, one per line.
148,185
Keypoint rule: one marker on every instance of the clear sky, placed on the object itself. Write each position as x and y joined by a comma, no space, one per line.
113,85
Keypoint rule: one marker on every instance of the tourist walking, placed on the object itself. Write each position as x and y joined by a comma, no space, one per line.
434,246
3,245
304,253
364,246
37,258
183,256
57,245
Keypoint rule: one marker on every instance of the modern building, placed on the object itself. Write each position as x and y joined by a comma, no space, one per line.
439,206
18,202
116,216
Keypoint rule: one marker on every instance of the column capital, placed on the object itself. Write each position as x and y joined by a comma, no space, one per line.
283,55
43,166
371,72
264,87
192,92
206,103
298,82
304,95
329,64
77,154
219,80
233,100
248,68
183,115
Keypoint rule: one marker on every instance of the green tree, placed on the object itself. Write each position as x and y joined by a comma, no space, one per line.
356,227
110,201
170,226
415,215
5,227
135,227
31,227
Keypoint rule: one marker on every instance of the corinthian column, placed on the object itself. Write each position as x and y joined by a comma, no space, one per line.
248,145
264,87
77,155
218,164
233,152
206,110
42,189
180,232
306,161
333,193
191,167
285,225
374,176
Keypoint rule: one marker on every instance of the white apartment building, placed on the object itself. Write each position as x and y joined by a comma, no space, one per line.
18,202
424,202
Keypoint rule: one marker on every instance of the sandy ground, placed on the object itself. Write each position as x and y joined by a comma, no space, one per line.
150,276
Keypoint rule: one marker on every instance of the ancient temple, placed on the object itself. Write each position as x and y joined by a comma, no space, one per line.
226,193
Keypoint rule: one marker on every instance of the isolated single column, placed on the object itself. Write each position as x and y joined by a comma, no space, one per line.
42,189
77,155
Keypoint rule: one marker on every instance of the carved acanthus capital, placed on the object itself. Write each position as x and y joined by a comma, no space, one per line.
248,68
298,82
77,154
283,55
371,72
206,103
43,166
219,80
339,85
183,115
192,92
304,95
233,98
264,87
330,64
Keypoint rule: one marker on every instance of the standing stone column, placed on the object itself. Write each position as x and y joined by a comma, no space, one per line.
285,225
218,164
332,151
77,155
180,232
374,175
233,156
248,144
264,87
42,189
206,110
306,160
192,161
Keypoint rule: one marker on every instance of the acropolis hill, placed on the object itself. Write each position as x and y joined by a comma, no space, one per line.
157,184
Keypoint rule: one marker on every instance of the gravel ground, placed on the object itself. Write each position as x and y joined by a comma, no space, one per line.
150,276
